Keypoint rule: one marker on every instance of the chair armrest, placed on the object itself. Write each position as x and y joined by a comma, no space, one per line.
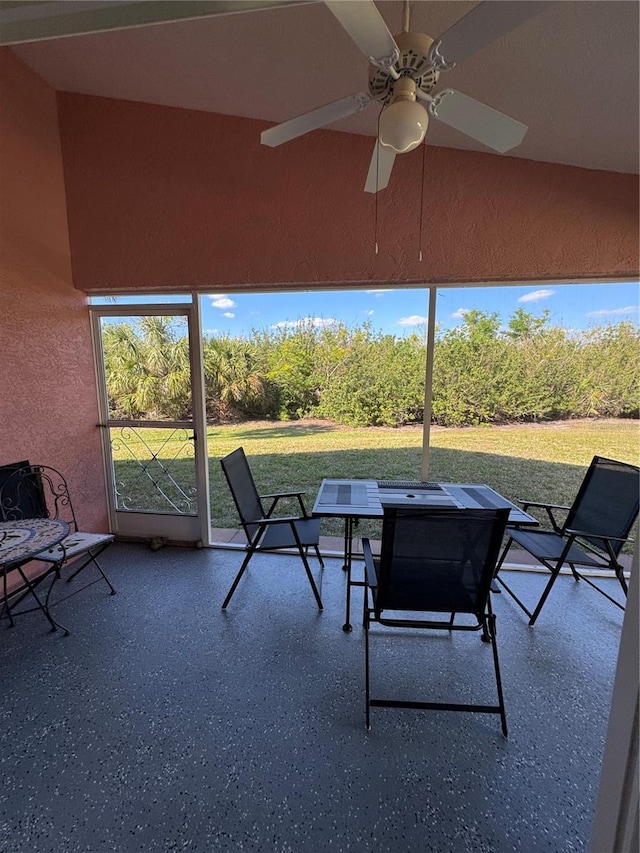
285,519
548,508
526,504
283,495
276,496
370,570
608,542
595,535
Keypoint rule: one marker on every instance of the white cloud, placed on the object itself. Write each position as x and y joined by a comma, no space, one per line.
218,301
376,293
370,313
604,312
211,331
229,314
316,322
459,314
413,320
536,295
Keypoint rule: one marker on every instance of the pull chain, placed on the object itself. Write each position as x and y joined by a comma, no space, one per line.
421,202
375,232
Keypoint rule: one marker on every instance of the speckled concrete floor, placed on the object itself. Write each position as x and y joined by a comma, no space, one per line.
162,724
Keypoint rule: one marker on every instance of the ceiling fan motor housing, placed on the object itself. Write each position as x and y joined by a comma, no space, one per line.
413,62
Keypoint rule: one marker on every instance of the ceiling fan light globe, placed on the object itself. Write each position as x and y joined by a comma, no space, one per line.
403,125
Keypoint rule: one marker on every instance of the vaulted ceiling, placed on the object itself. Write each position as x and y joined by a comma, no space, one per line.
570,73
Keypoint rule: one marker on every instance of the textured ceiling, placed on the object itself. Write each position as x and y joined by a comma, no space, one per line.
570,73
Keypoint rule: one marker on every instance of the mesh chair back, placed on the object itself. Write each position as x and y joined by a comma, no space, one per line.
438,560
243,490
607,502
36,491
22,492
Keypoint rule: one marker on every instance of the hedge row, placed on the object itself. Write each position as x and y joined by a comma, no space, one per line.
483,373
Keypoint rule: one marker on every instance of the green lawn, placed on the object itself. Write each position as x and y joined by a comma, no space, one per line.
540,462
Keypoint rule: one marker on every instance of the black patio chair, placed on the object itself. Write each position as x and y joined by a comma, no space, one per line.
596,527
264,531
39,491
434,561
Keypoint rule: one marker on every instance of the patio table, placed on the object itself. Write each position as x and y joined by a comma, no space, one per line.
20,542
354,500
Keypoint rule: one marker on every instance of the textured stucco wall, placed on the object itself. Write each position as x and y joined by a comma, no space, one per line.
48,409
165,198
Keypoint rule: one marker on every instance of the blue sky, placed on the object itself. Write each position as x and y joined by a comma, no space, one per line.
398,312
403,311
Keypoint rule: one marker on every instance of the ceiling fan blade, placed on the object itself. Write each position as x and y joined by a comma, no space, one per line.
367,28
306,122
380,168
492,128
485,23
22,22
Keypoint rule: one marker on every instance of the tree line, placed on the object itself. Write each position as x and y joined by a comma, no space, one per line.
483,373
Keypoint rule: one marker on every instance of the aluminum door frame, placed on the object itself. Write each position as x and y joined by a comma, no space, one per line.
194,529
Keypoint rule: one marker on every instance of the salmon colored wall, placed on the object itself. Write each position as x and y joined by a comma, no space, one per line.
48,410
164,198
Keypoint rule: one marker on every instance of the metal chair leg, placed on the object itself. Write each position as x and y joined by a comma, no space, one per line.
366,670
496,663
554,574
243,567
93,558
319,556
314,588
502,556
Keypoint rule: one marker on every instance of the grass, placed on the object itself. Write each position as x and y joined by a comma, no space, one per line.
532,461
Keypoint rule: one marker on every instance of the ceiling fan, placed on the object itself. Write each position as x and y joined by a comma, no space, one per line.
403,72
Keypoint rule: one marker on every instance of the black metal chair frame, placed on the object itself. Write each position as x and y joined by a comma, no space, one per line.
572,546
268,533
41,491
484,616
28,586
